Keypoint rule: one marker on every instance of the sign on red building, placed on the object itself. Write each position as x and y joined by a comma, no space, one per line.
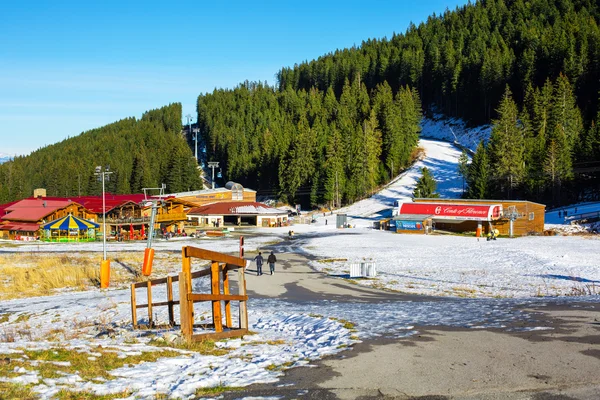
461,212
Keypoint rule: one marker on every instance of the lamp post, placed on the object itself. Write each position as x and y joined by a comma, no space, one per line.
196,130
105,265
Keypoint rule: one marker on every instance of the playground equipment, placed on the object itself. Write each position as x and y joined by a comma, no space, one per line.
220,266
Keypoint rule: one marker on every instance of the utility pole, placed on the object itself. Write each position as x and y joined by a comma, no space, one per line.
213,165
337,190
196,130
105,265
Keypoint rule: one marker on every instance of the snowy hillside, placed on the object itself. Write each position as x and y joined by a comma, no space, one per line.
441,158
454,130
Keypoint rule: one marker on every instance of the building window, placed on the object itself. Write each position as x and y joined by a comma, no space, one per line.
531,216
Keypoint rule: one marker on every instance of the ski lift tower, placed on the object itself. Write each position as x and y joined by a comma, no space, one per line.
149,252
213,165
512,215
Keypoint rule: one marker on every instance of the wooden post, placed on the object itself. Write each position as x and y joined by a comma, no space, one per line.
150,324
227,302
242,292
186,266
170,300
185,309
215,289
133,307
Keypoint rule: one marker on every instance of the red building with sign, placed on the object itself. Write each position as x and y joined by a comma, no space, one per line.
427,215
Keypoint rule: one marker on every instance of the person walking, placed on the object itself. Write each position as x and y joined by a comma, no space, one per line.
259,262
272,260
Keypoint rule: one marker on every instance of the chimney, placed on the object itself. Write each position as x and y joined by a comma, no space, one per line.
39,193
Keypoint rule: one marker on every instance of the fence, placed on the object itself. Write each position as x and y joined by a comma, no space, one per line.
218,271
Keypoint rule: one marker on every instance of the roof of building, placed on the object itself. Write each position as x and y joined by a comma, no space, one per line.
20,226
474,201
33,210
235,208
3,207
94,203
206,191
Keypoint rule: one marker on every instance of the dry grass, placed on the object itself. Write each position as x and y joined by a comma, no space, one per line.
35,274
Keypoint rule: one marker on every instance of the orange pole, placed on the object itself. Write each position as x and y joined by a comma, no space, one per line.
104,274
148,258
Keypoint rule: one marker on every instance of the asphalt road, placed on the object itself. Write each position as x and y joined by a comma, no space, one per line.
439,363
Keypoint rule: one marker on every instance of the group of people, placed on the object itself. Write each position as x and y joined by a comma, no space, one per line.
260,260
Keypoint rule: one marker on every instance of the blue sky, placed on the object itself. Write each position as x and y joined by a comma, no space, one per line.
70,66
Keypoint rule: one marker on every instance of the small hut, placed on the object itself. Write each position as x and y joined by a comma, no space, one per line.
70,229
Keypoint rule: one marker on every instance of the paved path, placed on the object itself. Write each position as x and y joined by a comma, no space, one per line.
439,363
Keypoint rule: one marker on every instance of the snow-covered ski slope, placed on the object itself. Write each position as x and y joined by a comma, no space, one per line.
440,157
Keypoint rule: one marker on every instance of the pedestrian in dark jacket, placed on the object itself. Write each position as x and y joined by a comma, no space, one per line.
259,262
272,260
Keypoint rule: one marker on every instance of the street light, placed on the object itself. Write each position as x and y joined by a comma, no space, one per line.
196,130
105,265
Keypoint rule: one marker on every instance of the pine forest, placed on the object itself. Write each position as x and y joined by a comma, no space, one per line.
332,130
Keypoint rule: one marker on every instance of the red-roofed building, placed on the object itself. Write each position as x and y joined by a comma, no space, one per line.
22,219
237,213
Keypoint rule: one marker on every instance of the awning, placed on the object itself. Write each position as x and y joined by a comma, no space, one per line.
70,222
455,212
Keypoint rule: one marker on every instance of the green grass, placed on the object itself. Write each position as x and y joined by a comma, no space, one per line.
345,323
64,394
10,391
205,347
82,365
216,390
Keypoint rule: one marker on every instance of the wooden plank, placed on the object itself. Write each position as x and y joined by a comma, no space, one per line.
159,304
198,297
133,307
204,254
149,303
220,335
230,267
201,273
243,307
170,300
186,316
215,289
226,293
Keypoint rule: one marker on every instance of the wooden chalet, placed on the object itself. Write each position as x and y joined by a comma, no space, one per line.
21,220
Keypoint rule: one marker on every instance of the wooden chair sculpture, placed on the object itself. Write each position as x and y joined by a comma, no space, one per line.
218,271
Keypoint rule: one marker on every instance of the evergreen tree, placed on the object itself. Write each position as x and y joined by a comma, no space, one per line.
463,167
479,174
426,185
506,147
141,174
